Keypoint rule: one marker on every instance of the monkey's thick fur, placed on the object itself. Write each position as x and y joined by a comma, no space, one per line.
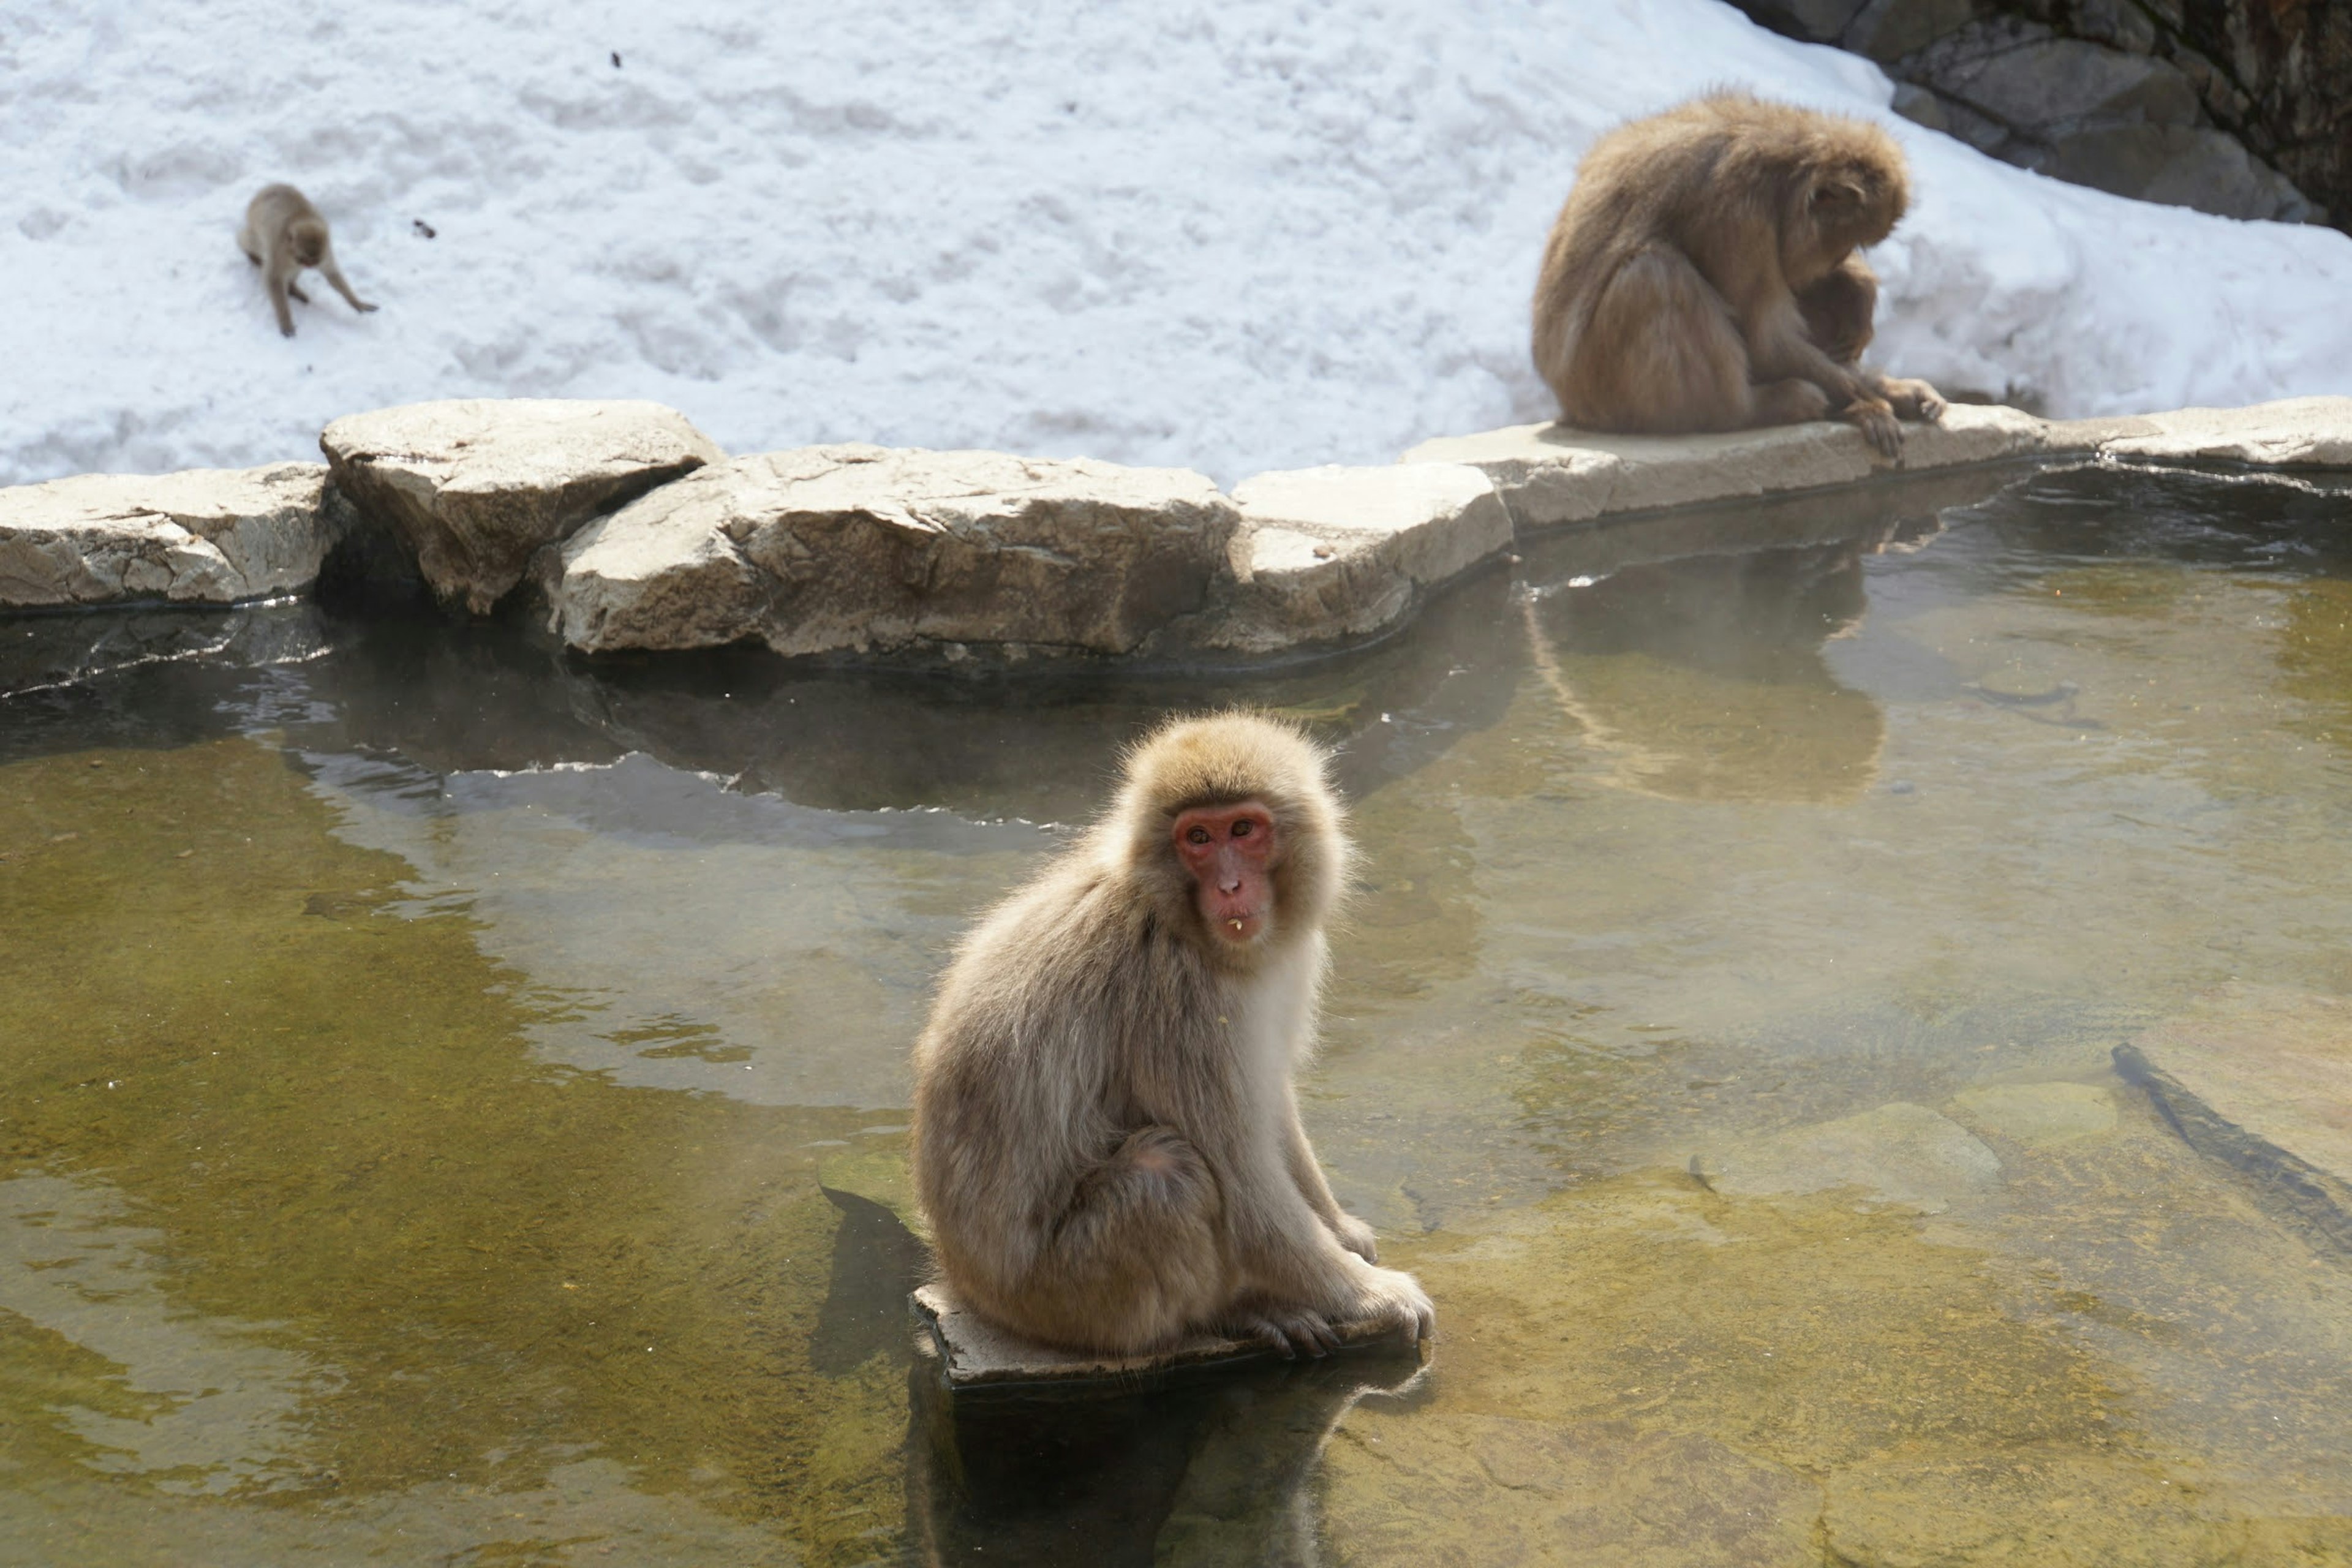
1702,274
1107,1143
283,233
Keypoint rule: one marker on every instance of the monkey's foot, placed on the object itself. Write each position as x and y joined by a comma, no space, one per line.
1914,400
1357,1238
1293,1330
1391,1296
362,305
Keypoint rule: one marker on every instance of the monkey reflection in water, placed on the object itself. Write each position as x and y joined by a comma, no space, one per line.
1703,679
1219,1469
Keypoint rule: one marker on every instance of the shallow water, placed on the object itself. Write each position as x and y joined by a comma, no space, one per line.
451,1108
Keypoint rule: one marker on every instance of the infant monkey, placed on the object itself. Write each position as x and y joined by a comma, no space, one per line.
283,233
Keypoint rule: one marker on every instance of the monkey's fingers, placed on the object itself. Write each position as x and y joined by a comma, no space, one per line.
1876,422
1357,1238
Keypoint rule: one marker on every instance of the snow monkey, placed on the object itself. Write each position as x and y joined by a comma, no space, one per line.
1107,1142
1702,275
283,233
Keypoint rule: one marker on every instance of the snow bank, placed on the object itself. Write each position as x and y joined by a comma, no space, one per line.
1257,233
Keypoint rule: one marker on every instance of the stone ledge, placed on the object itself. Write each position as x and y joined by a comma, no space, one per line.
474,486
2295,433
856,549
1551,475
974,1354
202,536
1332,553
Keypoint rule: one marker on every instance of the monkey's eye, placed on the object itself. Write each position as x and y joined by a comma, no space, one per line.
1242,828
1197,835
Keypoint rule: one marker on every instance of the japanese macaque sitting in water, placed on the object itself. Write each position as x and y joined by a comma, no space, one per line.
283,233
1106,1140
1703,275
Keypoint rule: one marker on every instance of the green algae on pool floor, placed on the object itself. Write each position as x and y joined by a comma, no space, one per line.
452,1099
359,1248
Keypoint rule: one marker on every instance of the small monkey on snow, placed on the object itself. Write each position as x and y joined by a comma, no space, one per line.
283,233
1705,274
1107,1142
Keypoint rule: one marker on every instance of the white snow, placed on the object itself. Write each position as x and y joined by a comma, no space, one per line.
1232,236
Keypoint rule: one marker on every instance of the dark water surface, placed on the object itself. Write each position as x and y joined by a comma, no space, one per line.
451,1099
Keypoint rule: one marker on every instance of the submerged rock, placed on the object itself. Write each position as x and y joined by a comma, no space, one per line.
2260,1078
2039,1114
858,548
206,536
474,486
1476,1488
1332,553
1901,1154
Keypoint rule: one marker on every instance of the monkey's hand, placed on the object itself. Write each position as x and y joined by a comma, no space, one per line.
1391,1296
1357,1238
362,305
1875,420
1914,400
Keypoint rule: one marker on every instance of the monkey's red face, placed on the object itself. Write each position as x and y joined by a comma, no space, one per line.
1229,850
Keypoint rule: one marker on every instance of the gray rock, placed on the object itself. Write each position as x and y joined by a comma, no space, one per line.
2295,433
1886,30
1819,21
1551,475
864,549
2050,83
205,536
2181,166
1333,552
474,487
1921,106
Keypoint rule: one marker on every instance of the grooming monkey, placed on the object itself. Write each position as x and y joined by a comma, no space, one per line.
1106,1140
1702,275
283,233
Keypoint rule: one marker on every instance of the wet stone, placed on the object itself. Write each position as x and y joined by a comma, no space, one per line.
2039,1114
1479,1489
974,1354
1901,1153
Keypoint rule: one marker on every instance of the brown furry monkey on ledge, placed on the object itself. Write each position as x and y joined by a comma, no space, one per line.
1702,275
1106,1143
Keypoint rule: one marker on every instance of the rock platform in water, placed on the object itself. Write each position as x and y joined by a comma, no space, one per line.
973,1355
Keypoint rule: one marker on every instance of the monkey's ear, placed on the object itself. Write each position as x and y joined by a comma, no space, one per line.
1838,193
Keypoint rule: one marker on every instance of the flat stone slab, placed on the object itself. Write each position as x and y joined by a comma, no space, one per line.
474,486
1551,475
861,549
975,1354
2260,1078
204,536
1900,1153
2294,432
1329,553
